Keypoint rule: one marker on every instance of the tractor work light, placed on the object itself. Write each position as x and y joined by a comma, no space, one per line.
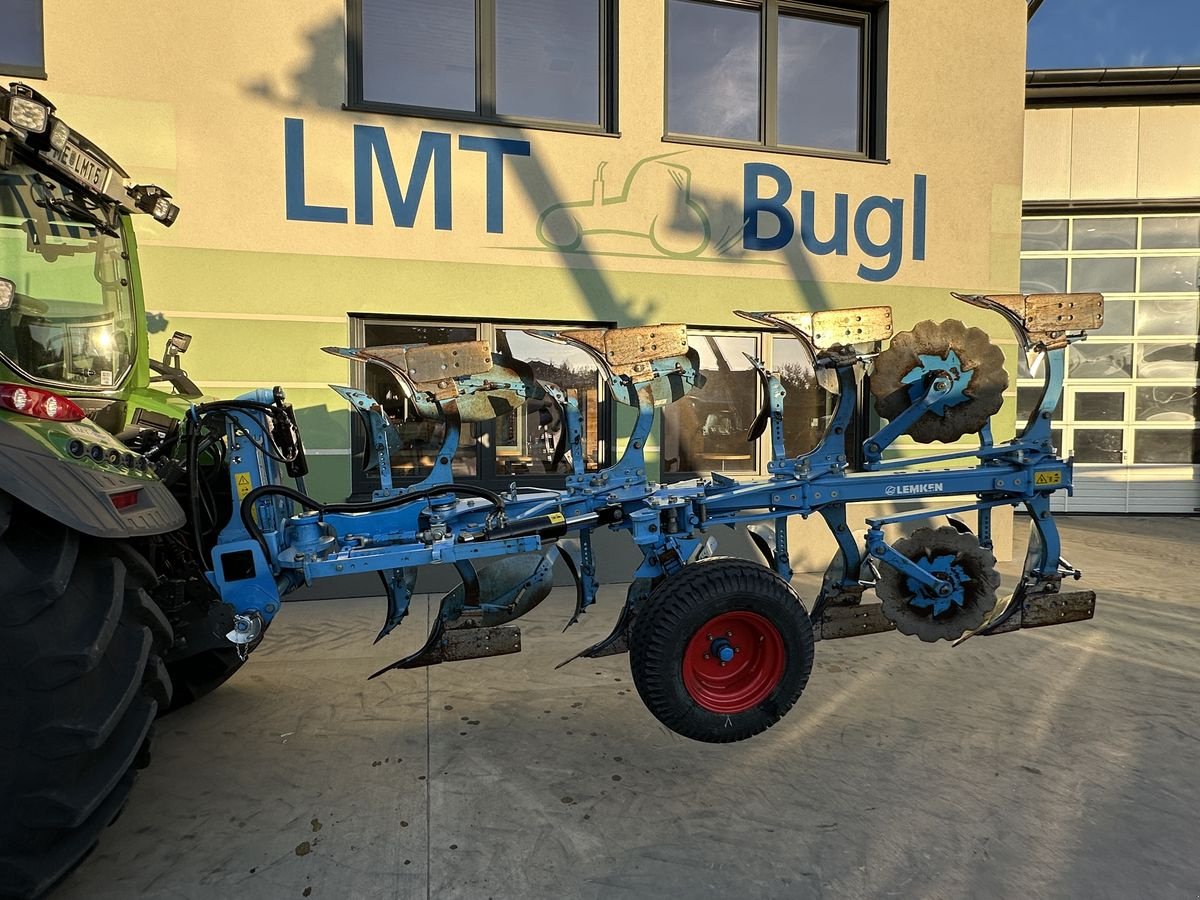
59,135
152,199
28,115
8,292
38,403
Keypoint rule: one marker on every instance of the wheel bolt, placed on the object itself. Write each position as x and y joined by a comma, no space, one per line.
729,634
722,665
707,656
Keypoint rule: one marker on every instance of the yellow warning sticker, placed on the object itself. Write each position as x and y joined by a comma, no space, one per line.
1040,479
557,518
244,485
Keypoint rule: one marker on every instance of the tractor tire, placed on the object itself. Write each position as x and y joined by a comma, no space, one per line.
81,681
712,608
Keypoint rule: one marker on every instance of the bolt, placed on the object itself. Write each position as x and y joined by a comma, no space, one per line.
729,634
706,656
722,664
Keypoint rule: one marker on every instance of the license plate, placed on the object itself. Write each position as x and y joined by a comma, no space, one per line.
83,165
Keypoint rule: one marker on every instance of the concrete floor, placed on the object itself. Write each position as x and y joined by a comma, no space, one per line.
1052,763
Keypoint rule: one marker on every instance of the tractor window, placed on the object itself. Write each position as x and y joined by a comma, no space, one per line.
71,321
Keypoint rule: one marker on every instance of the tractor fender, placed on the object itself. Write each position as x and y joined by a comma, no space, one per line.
78,494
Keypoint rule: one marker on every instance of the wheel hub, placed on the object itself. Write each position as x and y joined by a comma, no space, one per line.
733,662
948,595
950,378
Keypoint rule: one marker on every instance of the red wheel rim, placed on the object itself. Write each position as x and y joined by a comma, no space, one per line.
733,662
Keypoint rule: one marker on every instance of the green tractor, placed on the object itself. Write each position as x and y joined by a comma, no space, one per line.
106,620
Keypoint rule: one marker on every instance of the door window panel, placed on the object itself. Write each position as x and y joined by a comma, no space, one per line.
1118,318
1104,234
1099,445
1167,274
1167,317
1169,232
1167,404
1103,275
1097,406
1163,446
1086,360
1166,361
1044,234
1043,276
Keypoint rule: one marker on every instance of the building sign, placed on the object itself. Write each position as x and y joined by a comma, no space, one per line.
653,210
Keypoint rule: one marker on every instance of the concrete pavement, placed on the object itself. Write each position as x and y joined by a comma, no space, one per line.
1053,763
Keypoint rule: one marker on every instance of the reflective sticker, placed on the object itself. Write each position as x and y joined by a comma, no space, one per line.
244,485
1041,479
557,518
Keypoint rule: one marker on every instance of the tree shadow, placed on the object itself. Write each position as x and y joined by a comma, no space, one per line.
319,81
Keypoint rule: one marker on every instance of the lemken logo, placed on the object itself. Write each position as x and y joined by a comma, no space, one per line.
931,487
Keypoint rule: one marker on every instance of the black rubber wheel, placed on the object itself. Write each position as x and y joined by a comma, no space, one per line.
81,681
721,650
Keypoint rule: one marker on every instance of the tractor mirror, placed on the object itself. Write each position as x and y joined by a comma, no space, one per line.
8,290
177,345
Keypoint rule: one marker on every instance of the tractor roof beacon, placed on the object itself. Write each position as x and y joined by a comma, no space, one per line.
105,618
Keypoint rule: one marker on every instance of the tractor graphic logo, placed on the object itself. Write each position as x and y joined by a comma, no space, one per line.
654,206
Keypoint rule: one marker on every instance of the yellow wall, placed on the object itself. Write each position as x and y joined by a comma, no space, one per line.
195,97
1112,153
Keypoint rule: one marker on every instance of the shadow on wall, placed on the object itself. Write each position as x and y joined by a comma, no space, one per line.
318,82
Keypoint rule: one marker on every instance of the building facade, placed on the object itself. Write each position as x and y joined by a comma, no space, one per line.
1112,204
356,172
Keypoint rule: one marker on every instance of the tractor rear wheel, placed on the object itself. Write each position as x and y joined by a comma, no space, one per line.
81,681
721,650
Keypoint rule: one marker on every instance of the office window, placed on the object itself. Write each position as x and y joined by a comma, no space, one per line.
22,46
526,61
524,443
802,76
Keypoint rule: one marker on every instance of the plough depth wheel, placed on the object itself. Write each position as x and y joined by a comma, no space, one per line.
721,650
954,558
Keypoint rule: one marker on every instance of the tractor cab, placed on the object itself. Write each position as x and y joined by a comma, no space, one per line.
70,317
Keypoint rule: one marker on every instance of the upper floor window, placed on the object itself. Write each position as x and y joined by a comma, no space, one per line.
534,62
22,49
798,76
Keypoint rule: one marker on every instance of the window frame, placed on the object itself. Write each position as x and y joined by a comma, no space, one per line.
489,475
38,72
871,15
485,77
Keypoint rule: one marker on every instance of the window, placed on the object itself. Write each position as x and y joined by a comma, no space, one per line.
706,430
798,76
22,50
533,62
1132,386
524,443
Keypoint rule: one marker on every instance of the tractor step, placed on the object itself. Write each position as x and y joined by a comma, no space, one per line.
851,621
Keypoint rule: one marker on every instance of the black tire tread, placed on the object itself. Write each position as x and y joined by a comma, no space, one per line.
656,633
81,681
